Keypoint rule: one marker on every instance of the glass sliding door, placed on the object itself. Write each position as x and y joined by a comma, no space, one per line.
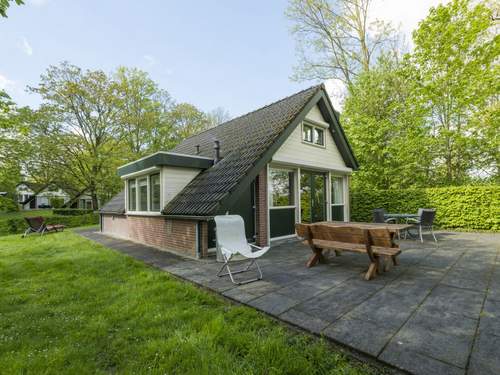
281,202
312,196
337,198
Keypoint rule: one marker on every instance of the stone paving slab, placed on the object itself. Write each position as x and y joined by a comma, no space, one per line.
436,313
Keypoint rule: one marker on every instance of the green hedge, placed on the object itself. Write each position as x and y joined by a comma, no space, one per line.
8,205
464,207
71,211
19,225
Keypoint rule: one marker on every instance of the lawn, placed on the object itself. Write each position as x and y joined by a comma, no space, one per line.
68,305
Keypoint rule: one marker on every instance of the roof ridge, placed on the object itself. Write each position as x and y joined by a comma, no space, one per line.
321,85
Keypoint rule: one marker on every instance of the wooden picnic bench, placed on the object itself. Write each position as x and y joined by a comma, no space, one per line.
374,240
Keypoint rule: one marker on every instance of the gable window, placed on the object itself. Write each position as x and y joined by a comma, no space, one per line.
313,134
154,181
132,195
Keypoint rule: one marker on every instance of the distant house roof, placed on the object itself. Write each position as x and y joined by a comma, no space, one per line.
116,205
247,144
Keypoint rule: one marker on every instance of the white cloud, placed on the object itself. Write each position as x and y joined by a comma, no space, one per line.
5,83
150,60
26,47
403,14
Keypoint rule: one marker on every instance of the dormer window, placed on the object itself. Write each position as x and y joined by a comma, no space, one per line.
314,135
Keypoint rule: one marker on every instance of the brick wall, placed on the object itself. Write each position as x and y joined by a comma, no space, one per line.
178,236
261,210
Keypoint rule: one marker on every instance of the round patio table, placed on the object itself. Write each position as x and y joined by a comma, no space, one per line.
403,217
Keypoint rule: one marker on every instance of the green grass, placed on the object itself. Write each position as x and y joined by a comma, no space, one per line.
13,215
68,305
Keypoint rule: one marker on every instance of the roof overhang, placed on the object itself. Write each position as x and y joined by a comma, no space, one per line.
162,158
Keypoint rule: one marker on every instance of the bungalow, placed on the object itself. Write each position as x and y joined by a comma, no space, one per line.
32,196
285,163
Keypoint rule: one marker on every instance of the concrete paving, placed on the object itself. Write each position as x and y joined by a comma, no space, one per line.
437,312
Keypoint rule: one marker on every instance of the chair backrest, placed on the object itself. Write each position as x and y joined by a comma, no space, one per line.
378,215
230,234
36,223
427,216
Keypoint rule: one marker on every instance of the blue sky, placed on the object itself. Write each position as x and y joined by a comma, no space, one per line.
229,53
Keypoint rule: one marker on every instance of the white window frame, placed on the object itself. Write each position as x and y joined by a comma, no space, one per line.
138,177
314,127
270,190
343,204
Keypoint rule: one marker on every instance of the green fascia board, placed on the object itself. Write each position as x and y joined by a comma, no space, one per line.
326,108
165,158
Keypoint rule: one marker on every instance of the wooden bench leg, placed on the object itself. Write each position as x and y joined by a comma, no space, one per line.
337,253
372,269
315,258
394,260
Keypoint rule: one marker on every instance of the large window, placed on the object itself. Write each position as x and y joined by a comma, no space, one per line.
281,187
154,186
337,198
144,193
132,195
313,134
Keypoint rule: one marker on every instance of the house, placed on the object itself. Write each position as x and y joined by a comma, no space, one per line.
32,196
284,163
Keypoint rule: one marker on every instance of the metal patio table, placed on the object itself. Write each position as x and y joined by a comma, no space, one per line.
402,217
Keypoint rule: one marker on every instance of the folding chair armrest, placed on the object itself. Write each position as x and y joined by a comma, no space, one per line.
411,220
390,220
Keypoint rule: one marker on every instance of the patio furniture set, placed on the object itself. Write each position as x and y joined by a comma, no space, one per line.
376,240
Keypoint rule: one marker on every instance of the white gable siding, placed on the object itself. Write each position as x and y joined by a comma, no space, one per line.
295,152
174,180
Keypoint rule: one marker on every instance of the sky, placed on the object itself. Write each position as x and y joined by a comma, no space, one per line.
235,54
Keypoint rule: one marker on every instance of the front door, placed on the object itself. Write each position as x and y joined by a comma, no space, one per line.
312,196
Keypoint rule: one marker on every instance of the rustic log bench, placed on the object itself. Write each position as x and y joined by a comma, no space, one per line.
377,243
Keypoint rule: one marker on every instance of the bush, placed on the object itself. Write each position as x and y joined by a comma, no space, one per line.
462,207
71,211
19,225
56,202
8,205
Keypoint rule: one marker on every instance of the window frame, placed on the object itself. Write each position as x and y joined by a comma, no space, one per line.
341,179
150,192
291,193
314,128
147,177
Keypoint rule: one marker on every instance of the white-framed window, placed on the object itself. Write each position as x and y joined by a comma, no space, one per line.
312,134
144,193
337,196
281,187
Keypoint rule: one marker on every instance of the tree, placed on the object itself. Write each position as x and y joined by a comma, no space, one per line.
143,109
218,116
387,129
455,62
184,120
84,130
335,39
5,4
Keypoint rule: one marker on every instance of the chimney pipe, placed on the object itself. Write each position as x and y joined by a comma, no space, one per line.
217,151
197,149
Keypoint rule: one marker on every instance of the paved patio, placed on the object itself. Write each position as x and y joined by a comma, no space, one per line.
438,312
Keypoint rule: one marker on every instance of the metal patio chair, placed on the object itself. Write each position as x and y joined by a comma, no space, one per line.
233,245
378,217
425,221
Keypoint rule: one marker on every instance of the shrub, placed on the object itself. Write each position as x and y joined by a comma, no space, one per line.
19,225
8,205
56,202
462,207
71,211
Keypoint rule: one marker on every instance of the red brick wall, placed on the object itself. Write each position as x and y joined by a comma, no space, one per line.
173,235
261,210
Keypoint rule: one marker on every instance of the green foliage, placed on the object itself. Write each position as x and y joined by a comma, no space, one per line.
19,225
7,204
465,207
90,310
56,202
5,4
71,211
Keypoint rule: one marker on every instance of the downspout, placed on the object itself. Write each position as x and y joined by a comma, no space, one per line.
198,240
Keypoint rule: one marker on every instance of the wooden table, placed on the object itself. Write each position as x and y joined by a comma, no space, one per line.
393,228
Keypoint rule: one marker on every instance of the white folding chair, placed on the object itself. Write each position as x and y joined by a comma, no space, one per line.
233,245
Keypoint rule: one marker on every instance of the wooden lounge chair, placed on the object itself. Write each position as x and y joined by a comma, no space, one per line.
37,225
377,244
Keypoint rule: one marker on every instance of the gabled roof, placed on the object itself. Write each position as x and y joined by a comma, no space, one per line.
116,205
247,144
